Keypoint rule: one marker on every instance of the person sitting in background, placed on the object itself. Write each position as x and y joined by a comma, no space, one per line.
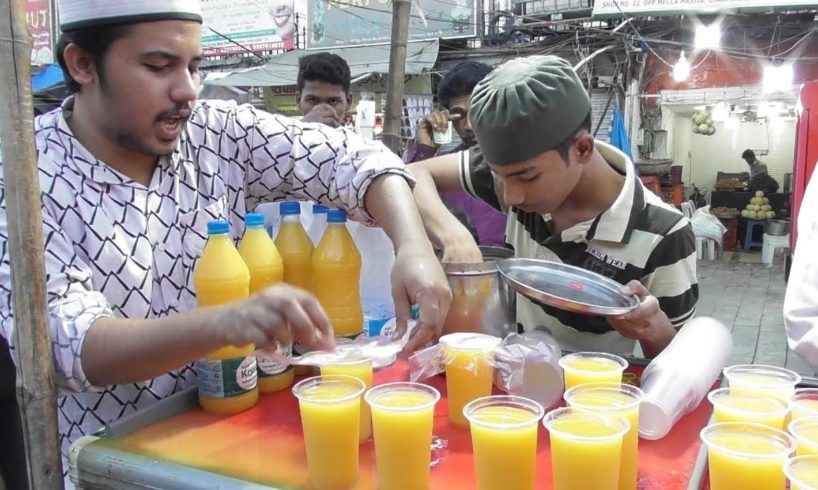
453,94
323,88
801,300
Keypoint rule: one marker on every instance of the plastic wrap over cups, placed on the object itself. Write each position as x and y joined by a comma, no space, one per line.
677,380
382,350
524,364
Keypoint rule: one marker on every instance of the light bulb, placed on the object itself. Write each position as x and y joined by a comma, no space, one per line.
708,37
777,78
681,70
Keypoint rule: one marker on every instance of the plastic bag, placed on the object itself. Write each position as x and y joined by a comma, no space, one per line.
706,225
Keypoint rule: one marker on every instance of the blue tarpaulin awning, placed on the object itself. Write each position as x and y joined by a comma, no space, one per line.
46,78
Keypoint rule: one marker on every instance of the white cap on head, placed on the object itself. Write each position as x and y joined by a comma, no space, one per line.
80,14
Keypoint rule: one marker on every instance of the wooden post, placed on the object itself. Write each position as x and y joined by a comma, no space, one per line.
395,78
36,388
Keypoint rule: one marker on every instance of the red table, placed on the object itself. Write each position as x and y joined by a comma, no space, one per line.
265,445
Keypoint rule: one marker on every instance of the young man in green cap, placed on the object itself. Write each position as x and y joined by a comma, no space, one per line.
569,198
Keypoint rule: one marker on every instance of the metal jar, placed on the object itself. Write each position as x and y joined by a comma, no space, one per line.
777,227
481,301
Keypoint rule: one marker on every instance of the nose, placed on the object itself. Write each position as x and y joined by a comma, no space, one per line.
467,123
513,195
185,88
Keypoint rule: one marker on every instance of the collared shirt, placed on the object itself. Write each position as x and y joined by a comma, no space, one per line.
489,223
801,301
757,168
116,248
638,237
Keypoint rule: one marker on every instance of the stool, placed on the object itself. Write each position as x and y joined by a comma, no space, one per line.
772,242
705,248
752,224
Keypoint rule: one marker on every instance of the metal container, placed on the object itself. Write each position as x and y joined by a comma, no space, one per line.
777,227
482,302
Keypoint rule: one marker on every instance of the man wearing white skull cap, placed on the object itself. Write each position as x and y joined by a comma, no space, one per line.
132,168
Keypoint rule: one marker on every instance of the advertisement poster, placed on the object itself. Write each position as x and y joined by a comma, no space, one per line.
338,23
671,7
38,18
238,26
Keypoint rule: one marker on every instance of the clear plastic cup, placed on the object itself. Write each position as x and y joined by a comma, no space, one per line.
361,369
586,448
804,403
592,367
330,417
763,379
802,472
504,440
750,407
805,432
623,400
402,418
469,359
746,456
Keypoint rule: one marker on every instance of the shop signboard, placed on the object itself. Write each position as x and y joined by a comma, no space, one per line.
241,26
38,18
609,8
338,23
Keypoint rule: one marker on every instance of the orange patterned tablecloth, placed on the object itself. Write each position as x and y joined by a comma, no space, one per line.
265,445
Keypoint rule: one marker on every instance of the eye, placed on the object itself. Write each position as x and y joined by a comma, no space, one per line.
530,178
157,68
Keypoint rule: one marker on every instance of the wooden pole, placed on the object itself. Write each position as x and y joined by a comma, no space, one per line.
36,388
395,78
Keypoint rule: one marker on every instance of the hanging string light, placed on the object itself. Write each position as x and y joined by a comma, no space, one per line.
681,70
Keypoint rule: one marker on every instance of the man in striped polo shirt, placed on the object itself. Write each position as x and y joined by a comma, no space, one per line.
572,199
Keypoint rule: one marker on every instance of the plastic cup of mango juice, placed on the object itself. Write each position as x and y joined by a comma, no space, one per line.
504,440
402,419
361,369
751,407
746,456
802,472
623,400
805,432
592,367
759,378
804,403
586,448
469,372
330,417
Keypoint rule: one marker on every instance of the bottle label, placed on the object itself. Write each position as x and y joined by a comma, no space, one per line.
226,378
268,367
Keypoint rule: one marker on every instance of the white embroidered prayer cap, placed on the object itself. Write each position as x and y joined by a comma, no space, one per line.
80,14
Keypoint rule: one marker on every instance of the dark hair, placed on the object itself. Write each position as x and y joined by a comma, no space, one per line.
748,154
460,81
93,40
324,67
563,147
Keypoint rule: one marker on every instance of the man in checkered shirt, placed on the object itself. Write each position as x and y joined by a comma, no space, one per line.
132,168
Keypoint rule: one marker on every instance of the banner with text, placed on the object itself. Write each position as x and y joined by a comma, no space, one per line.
607,8
337,23
238,26
38,18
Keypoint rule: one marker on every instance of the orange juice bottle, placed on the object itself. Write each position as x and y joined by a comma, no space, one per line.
227,378
336,275
266,268
294,245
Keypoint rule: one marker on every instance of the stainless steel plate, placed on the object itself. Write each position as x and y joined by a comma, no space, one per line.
566,287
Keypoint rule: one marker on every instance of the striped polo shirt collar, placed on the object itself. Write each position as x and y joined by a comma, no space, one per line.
617,222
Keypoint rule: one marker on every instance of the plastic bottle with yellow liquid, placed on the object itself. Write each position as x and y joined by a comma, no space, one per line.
294,245
227,378
336,275
266,268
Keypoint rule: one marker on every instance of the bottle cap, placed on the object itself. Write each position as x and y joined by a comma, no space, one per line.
254,219
290,208
336,216
319,209
218,227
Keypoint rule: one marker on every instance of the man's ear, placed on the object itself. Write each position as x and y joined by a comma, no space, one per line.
80,65
584,145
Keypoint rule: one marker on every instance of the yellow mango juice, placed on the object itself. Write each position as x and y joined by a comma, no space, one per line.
330,415
761,379
504,441
402,419
592,367
361,369
751,407
804,403
624,400
586,448
746,456
802,472
469,373
805,432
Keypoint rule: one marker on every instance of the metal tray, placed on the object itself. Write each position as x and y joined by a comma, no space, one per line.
566,287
